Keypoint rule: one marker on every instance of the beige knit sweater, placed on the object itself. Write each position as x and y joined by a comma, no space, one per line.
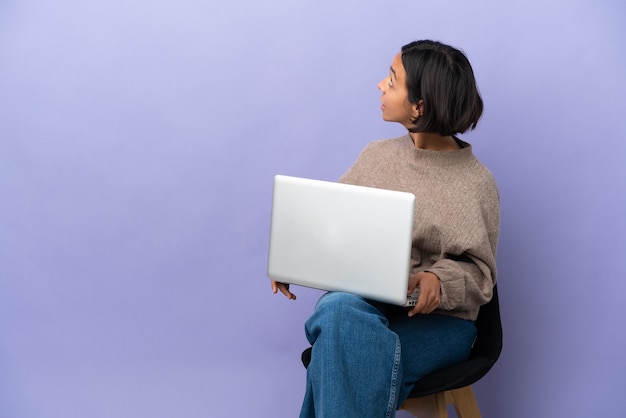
457,215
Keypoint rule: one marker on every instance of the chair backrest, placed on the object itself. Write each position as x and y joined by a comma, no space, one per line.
489,330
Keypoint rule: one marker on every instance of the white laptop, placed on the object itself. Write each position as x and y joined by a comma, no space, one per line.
340,237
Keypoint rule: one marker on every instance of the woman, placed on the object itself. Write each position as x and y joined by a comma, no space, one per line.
367,355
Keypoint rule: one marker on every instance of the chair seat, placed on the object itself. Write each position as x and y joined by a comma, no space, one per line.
453,377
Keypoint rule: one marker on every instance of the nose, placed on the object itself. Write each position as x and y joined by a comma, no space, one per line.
382,84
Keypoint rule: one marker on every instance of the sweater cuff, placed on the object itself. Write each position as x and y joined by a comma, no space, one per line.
452,291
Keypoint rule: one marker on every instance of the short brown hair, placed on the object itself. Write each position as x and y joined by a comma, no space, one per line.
442,77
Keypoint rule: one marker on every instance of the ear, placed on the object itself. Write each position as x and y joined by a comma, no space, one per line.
418,109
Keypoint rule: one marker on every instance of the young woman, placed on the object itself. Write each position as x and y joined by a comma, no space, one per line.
367,355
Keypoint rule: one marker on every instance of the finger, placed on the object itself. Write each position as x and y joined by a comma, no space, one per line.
284,289
412,286
432,304
411,290
419,306
426,303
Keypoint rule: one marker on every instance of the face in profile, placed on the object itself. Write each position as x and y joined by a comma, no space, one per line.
395,102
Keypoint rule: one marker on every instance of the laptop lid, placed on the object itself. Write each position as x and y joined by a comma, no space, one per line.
341,237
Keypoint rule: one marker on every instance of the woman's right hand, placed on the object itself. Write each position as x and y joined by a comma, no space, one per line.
284,289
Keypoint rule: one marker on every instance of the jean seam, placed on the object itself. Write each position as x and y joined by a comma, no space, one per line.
393,392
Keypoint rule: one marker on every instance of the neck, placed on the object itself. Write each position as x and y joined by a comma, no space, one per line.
434,142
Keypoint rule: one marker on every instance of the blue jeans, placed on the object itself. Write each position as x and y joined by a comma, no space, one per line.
367,355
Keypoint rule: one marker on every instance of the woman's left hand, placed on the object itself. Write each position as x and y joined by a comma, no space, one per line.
429,292
284,289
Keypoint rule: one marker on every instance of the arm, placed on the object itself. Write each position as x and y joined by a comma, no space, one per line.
460,242
467,270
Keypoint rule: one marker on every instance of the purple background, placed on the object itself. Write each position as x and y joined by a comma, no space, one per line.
138,144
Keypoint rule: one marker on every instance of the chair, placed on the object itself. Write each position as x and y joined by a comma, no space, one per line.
452,385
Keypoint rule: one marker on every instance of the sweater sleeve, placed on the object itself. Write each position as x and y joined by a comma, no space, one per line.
467,270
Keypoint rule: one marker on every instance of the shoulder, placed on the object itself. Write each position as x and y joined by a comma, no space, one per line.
485,191
388,144
482,174
386,147
475,172
374,162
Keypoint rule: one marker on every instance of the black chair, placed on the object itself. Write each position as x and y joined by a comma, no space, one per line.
452,385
